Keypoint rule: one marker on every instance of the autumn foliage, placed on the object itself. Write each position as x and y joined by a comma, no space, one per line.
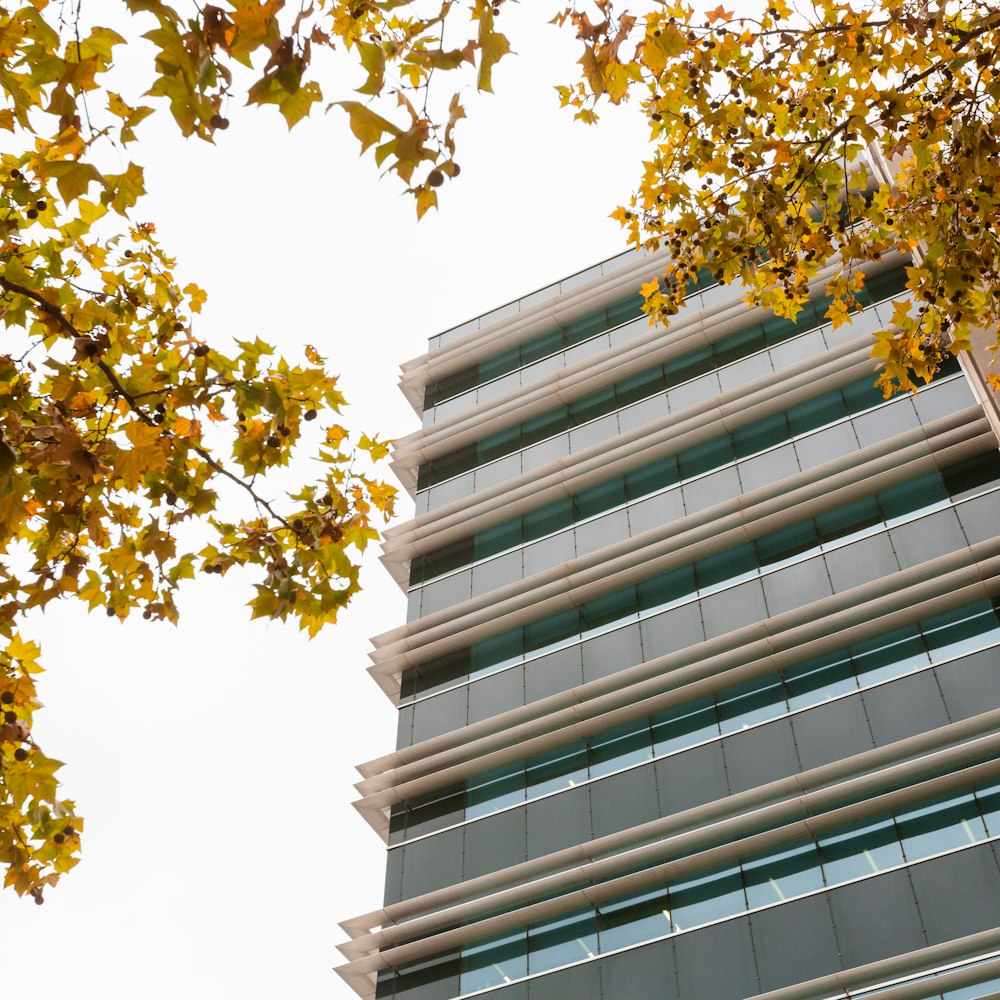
782,145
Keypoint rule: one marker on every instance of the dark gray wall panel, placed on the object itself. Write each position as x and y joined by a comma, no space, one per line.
558,821
645,973
691,778
831,732
904,707
609,653
437,979
583,981
671,631
761,755
979,519
440,714
716,962
551,674
796,586
432,863
876,918
516,991
495,842
393,877
623,801
958,894
496,694
971,685
404,727
794,943
733,608
861,562
927,538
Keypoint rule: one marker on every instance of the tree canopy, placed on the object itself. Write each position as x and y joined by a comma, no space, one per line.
121,431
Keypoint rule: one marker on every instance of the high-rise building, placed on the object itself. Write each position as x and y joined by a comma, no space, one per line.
699,690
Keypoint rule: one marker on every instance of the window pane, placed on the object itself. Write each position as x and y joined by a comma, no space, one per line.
653,477
499,538
739,345
989,806
659,592
633,920
557,630
557,769
761,434
960,631
493,790
548,519
749,703
860,849
940,826
726,567
621,747
560,942
599,498
497,652
918,494
782,874
786,543
616,607
708,897
590,407
704,457
641,386
890,655
684,726
502,443
816,413
689,366
494,962
838,524
818,680
544,426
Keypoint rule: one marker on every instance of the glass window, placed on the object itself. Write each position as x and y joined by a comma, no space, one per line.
552,632
924,493
562,941
974,474
862,395
599,498
726,568
498,651
859,849
502,443
634,919
760,435
784,544
782,874
542,347
739,345
705,457
689,366
544,426
547,520
660,592
844,521
749,703
497,539
493,790
707,897
557,769
960,631
989,806
940,826
819,680
585,328
621,747
656,476
592,406
494,962
641,386
817,412
617,607
891,655
685,725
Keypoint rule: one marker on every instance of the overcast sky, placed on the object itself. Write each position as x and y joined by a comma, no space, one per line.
214,761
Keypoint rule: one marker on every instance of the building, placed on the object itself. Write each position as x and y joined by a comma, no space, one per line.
698,692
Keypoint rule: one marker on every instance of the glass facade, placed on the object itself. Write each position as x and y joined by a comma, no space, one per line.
941,639
718,571
833,894
750,340
877,844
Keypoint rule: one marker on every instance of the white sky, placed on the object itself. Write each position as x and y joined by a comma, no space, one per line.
214,762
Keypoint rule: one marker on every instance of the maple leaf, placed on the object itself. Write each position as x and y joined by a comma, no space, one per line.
719,14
